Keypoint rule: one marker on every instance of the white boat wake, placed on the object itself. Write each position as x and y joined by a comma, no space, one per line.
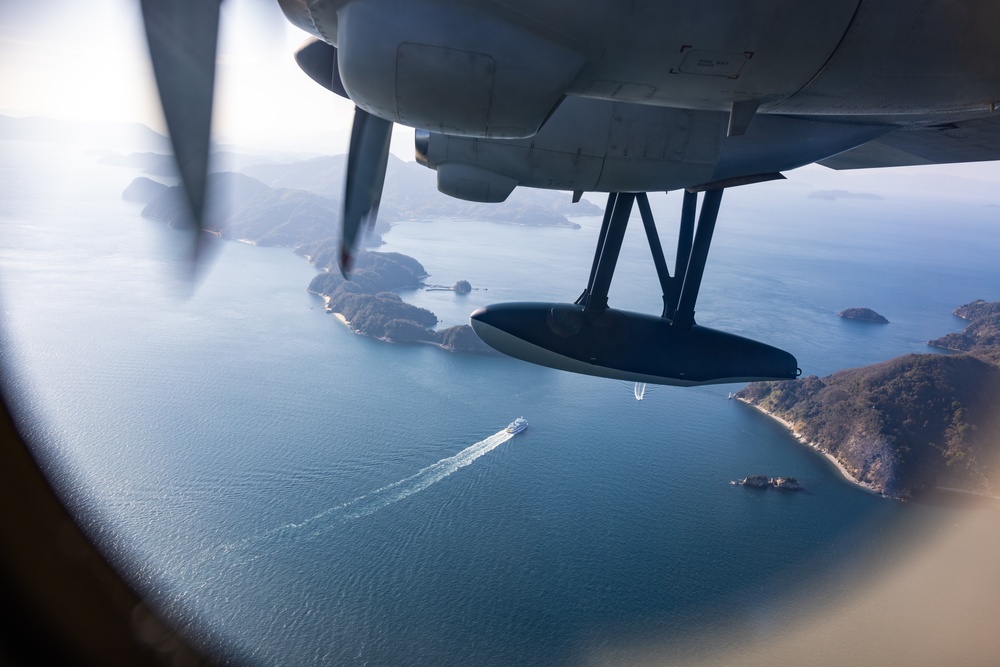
382,497
404,488
253,547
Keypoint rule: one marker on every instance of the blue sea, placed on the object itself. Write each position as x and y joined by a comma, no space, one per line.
289,493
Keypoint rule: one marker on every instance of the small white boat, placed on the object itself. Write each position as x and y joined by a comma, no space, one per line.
517,425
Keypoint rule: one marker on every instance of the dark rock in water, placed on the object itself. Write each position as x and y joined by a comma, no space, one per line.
756,481
863,314
763,482
462,287
786,483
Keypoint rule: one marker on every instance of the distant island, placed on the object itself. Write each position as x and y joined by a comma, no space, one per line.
907,425
292,204
144,190
156,164
863,314
107,134
411,194
246,209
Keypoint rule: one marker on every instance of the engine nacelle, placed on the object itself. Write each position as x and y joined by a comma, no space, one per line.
472,183
462,71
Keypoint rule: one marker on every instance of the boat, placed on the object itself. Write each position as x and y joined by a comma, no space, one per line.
517,425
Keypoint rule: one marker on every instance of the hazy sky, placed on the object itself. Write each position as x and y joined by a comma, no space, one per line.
88,61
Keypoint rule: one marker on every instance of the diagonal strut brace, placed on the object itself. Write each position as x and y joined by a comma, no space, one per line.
680,292
595,298
694,269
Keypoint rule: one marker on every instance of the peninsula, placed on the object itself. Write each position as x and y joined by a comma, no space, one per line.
907,425
370,307
981,338
411,194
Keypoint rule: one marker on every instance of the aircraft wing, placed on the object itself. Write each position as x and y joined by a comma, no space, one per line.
974,140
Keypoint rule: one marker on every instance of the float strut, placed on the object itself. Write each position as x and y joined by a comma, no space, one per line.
695,265
605,223
608,209
680,292
685,237
669,285
595,297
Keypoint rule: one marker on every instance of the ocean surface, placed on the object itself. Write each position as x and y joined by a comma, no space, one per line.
289,493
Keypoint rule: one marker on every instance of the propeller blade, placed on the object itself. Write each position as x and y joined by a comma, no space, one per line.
182,37
366,165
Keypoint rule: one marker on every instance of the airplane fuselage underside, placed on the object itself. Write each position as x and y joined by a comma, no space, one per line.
498,68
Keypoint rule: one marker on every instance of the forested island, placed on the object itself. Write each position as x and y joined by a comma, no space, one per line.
410,192
245,209
910,424
370,307
864,315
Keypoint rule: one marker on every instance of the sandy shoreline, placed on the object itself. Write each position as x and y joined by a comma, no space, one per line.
829,457
343,320
840,467
326,306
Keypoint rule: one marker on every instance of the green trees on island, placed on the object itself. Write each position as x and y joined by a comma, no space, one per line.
908,424
369,303
383,315
373,272
463,338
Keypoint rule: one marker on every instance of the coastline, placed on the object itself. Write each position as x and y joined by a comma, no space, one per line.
343,320
845,473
